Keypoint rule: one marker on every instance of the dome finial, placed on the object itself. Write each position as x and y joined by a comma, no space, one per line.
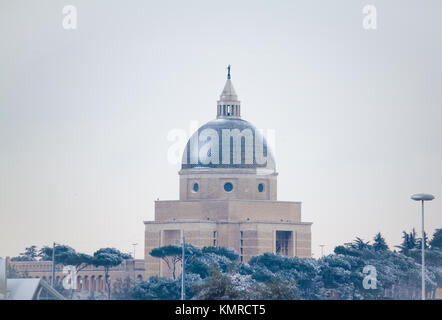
228,72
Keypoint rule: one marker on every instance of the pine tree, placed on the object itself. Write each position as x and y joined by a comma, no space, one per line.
409,241
360,244
436,242
379,243
419,241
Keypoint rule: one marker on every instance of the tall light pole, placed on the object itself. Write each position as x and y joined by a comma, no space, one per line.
53,265
322,249
182,270
423,197
134,245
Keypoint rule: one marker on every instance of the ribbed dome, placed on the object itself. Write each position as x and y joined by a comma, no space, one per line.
251,149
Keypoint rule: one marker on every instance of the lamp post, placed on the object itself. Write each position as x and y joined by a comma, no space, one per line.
423,197
322,249
182,269
134,245
53,264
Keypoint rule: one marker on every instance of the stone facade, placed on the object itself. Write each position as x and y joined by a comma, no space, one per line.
228,195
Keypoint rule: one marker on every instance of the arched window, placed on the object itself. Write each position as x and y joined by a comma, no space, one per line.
86,283
100,283
79,283
93,284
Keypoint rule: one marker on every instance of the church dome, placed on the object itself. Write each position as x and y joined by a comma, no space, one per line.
228,141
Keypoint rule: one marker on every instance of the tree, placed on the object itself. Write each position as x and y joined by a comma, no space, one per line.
379,243
21,258
277,289
300,273
61,251
229,253
122,288
30,254
156,288
348,251
67,256
433,257
436,242
11,272
336,274
202,261
225,286
409,241
359,244
419,241
107,258
172,254
76,259
398,274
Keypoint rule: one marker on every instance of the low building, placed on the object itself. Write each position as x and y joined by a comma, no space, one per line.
25,289
88,279
30,289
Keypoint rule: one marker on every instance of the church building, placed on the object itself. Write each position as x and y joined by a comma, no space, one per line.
228,194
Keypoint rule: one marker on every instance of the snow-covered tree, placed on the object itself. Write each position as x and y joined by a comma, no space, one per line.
107,258
436,242
379,243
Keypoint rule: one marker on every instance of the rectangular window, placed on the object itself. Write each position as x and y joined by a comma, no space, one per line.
284,243
214,239
171,237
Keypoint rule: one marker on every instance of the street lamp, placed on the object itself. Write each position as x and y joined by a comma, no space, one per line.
322,249
134,245
53,264
423,197
182,269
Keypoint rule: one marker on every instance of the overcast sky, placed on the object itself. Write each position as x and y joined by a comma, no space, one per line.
85,113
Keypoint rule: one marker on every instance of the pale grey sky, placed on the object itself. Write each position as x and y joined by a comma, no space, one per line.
84,114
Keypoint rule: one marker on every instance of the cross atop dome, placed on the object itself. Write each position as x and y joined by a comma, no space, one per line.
228,104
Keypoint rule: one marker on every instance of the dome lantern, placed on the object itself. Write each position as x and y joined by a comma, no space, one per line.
228,105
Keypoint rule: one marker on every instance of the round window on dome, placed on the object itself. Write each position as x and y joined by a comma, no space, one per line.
195,187
261,187
228,186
